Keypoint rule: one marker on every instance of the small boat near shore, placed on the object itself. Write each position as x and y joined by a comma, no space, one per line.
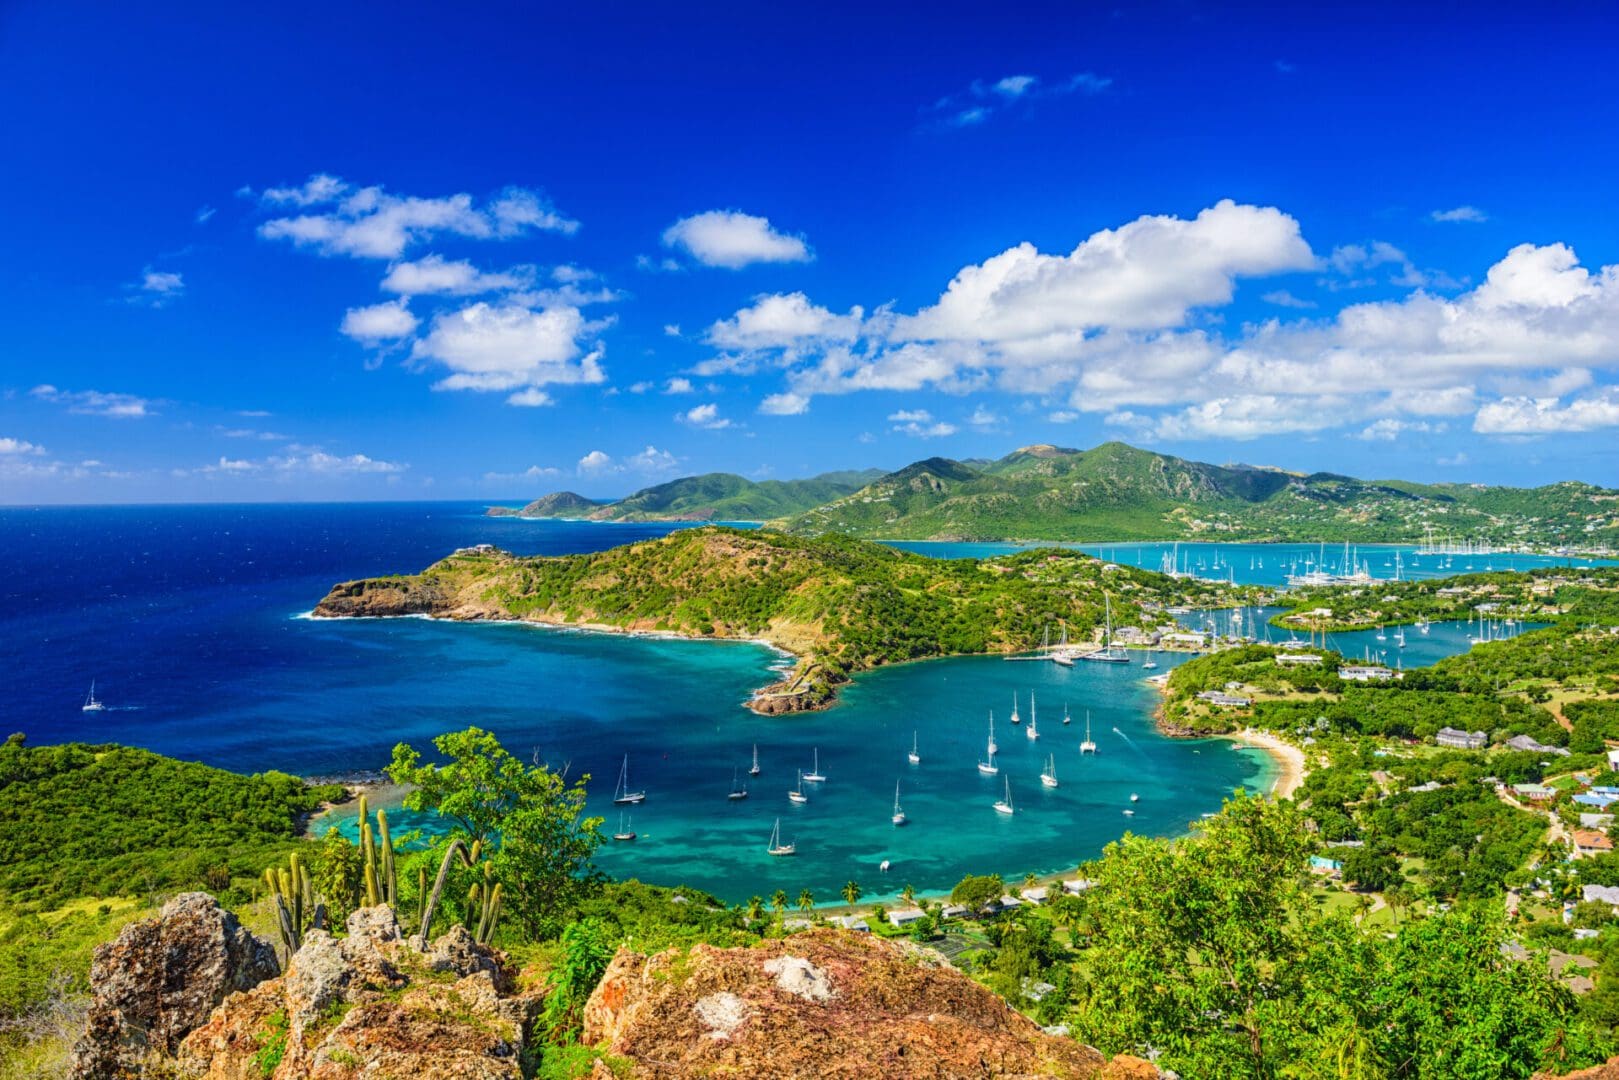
626,831
814,776
1048,776
738,792
776,846
899,817
622,795
797,794
1004,806
754,771
914,757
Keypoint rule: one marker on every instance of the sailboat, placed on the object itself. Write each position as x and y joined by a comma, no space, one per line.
755,770
914,757
989,768
1004,806
1151,664
899,817
622,795
797,794
737,792
1033,730
992,746
814,775
1016,719
1049,776
1066,719
625,831
1380,635
1107,654
90,702
776,846
1089,745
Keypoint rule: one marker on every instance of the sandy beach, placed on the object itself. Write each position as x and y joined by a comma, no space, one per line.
1289,758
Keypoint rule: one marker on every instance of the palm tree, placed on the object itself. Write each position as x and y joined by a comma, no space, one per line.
756,907
908,894
1030,880
778,900
806,900
852,892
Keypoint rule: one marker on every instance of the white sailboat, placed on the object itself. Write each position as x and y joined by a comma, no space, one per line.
622,795
755,770
625,831
1151,664
737,792
989,768
1107,654
1066,719
1033,730
1089,745
899,817
776,846
914,757
90,702
797,794
1016,719
1049,776
1004,806
814,775
992,746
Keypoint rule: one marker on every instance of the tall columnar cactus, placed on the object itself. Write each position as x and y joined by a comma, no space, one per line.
390,882
483,898
294,897
491,915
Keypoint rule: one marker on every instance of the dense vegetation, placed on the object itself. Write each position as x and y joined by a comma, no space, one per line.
78,820
842,605
1117,492
709,497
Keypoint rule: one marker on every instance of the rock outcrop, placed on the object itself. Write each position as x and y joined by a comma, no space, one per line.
824,1004
379,597
160,979
372,1005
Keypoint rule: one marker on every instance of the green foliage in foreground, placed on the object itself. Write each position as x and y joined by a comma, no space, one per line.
1211,950
79,820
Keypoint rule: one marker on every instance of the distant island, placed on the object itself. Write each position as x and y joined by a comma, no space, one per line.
1117,492
839,605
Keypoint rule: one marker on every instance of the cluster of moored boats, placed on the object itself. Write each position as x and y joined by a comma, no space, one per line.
800,791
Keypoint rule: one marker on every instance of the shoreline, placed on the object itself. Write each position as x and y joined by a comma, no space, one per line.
1290,761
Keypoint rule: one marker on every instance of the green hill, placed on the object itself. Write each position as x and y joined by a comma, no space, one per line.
840,605
709,497
1119,492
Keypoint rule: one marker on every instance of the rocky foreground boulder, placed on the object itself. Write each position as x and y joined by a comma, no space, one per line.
825,1004
160,979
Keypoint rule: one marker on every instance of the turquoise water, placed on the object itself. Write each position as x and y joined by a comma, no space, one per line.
1421,650
1266,564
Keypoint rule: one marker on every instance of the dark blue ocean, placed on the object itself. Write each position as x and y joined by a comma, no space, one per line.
189,619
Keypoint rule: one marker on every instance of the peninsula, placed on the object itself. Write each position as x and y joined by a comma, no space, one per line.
838,605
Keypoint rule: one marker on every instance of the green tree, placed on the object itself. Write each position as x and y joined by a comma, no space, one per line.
973,892
1370,869
806,900
545,839
756,908
778,900
908,894
852,892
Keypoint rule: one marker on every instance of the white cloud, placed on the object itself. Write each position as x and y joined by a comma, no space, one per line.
203,214
1548,416
317,461
507,346
1460,214
1063,416
732,239
679,385
156,288
653,462
378,323
17,447
433,274
252,433
787,404
704,416
531,397
984,418
671,330
1458,458
641,387
96,403
596,462
1388,429
782,321
919,424
533,472
984,99
1283,298
374,224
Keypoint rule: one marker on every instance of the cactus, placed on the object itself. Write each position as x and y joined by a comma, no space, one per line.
295,906
389,883
491,915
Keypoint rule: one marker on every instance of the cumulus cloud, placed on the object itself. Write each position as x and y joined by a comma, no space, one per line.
433,274
650,462
732,239
11,447
96,402
704,416
678,385
379,323
156,288
1388,429
786,404
372,223
1548,416
530,397
1460,214
507,346
919,424
596,462
533,472
1283,298
304,462
783,321
984,418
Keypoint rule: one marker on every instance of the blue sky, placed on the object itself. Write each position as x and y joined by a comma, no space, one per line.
376,251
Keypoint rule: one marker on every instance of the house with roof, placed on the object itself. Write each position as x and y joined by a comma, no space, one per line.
1288,659
906,916
1075,886
1591,842
857,923
1365,673
1596,799
1600,894
1461,740
1221,698
1035,895
1534,792
1524,742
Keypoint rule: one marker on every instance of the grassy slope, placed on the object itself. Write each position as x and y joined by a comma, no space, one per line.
709,497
